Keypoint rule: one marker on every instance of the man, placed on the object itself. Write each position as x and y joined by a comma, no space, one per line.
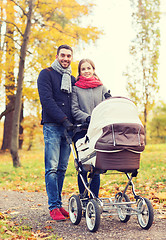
55,87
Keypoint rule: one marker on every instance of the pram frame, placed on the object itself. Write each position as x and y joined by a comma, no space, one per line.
92,207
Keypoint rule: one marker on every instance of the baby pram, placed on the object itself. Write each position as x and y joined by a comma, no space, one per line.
114,141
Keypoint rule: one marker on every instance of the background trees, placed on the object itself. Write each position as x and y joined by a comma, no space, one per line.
32,30
18,98
61,21
158,123
9,76
142,72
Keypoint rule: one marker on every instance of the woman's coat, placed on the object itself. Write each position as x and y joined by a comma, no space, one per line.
85,100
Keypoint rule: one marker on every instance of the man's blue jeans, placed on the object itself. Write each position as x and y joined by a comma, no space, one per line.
57,152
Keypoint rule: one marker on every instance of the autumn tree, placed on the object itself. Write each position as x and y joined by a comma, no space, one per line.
32,131
39,27
158,123
8,69
18,98
1,42
143,71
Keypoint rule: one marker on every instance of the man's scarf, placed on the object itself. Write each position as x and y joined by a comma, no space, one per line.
66,76
91,82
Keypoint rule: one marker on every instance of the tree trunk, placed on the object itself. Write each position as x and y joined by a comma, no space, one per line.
21,139
8,70
18,100
145,122
7,131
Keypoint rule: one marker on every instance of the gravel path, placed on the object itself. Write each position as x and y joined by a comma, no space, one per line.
31,209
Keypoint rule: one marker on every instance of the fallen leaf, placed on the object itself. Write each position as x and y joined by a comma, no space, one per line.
2,216
11,224
10,233
48,227
51,221
30,200
4,228
14,212
162,216
161,195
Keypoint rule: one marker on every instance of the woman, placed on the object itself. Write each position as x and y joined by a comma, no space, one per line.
87,93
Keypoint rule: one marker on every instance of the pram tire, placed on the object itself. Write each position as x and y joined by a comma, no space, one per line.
123,216
93,215
145,218
75,209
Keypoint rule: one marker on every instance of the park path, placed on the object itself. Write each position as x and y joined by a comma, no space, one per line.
31,209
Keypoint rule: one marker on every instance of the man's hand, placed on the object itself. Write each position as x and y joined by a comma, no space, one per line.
68,125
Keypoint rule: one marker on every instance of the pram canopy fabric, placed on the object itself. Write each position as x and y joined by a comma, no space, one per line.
115,136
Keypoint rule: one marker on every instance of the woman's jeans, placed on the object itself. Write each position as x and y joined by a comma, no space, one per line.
95,184
57,152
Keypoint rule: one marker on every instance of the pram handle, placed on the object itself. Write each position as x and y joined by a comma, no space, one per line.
76,128
81,126
68,137
69,141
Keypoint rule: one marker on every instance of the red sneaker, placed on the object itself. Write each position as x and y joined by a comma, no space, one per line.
57,215
64,212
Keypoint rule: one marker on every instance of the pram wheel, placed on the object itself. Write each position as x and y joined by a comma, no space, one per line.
122,209
75,209
146,215
93,215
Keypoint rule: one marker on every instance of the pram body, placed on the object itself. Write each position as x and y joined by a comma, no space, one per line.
114,141
116,134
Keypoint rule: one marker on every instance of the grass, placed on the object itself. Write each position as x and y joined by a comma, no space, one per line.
30,176
11,230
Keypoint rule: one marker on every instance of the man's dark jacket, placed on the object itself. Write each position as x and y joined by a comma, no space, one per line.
56,105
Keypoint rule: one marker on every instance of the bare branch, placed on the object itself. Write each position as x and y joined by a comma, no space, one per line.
19,7
13,25
8,36
9,109
59,30
15,42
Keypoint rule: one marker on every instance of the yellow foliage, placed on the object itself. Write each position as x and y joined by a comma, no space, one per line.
10,54
55,22
74,66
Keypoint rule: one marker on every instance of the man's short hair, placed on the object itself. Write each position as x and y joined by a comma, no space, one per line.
64,46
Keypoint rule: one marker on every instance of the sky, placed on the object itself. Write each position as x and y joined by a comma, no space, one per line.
111,52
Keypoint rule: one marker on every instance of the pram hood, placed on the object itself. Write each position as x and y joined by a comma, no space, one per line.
115,126
116,114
